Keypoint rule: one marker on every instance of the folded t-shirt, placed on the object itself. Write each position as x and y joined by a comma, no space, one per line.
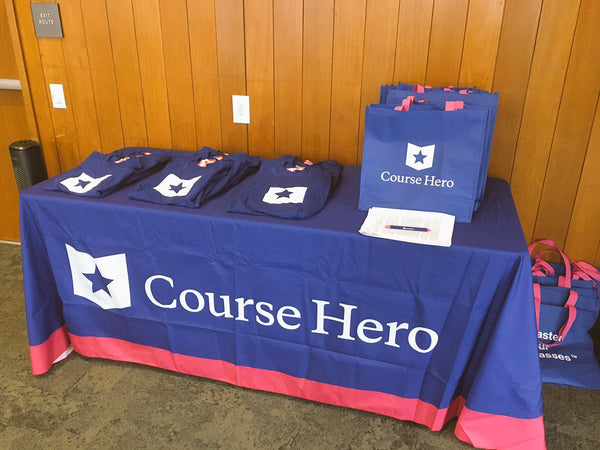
192,179
99,174
289,188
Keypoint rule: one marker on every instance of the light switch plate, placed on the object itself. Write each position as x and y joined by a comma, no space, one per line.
58,96
241,108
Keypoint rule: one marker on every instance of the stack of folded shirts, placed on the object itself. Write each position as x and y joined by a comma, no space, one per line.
289,188
192,179
101,174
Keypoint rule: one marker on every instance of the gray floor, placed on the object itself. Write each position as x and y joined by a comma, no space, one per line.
88,403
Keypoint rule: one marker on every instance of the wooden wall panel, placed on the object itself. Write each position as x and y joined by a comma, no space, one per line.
481,43
15,65
260,84
412,43
127,72
178,70
79,80
22,32
15,126
316,78
446,42
348,41
552,50
152,72
379,55
583,240
63,123
517,40
161,73
99,51
8,62
229,16
205,72
573,127
287,55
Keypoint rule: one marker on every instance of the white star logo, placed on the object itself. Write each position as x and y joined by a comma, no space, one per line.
173,186
102,280
279,195
419,158
83,183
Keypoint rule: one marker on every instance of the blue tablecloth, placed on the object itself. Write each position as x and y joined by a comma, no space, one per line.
308,308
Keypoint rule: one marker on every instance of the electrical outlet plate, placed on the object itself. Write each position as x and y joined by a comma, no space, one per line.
241,108
58,96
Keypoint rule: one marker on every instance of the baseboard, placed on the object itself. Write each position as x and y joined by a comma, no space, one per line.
10,242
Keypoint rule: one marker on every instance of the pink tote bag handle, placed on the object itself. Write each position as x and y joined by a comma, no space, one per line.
454,105
585,271
420,89
563,281
541,268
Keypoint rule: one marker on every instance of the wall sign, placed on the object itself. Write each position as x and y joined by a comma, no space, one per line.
46,20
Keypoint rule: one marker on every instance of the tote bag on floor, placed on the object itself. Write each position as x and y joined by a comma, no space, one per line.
566,310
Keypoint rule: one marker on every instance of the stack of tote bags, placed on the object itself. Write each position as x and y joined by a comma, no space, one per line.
567,304
428,149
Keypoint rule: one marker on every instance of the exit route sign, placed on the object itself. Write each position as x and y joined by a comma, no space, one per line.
46,20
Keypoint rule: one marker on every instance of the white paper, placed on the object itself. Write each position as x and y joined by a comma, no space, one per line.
440,226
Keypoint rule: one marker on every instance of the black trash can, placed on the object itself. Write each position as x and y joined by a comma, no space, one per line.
28,163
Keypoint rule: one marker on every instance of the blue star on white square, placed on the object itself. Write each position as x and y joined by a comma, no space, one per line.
103,280
281,195
83,183
173,186
419,158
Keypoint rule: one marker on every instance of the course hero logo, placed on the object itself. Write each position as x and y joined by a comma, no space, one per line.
103,281
417,158
83,183
173,186
339,321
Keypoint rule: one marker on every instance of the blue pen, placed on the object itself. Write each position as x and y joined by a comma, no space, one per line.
406,228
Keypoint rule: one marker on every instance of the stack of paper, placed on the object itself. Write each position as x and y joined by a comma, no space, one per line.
419,227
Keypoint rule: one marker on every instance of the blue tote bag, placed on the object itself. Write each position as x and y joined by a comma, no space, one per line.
567,307
417,88
424,159
472,98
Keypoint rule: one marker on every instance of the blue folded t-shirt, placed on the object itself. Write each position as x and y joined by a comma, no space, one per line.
100,174
192,179
289,188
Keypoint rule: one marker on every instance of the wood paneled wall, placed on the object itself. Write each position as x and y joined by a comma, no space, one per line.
161,73
16,123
